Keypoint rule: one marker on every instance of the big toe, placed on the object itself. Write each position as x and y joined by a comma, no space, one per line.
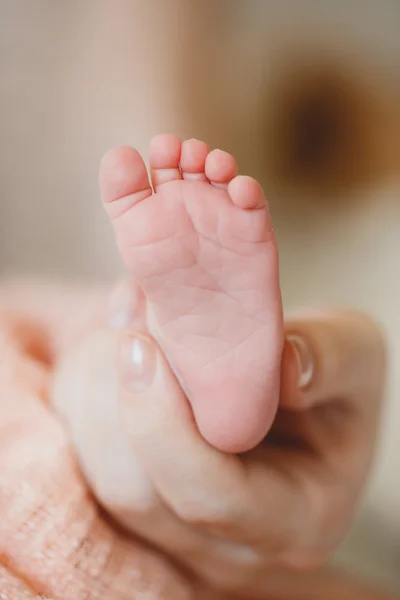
123,180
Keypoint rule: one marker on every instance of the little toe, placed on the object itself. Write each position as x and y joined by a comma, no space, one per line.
247,193
220,168
165,155
193,160
123,180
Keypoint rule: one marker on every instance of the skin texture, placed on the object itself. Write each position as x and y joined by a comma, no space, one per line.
243,523
203,250
48,548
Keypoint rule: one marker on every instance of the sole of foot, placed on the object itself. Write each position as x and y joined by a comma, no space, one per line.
198,239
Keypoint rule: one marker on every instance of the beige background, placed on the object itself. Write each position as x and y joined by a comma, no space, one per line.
79,76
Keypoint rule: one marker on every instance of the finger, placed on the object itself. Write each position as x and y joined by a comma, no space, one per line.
336,355
198,482
245,502
86,394
161,426
333,371
191,460
201,486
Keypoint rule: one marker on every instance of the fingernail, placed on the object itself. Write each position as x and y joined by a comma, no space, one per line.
126,306
303,358
137,363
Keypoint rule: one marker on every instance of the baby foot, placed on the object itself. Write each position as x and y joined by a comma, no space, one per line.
202,248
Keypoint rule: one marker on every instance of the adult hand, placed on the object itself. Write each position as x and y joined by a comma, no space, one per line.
241,523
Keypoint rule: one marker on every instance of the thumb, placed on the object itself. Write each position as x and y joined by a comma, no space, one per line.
333,355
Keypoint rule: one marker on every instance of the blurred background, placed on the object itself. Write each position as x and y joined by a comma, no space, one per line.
305,93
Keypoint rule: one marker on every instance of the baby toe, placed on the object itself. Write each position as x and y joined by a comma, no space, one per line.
247,193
